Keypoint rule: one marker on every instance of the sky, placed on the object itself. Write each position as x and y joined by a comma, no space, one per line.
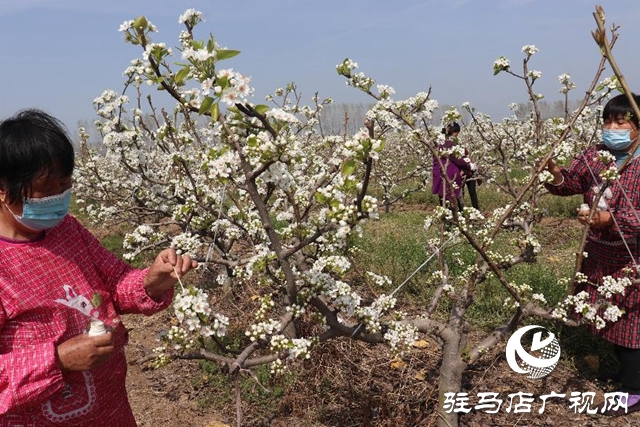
59,55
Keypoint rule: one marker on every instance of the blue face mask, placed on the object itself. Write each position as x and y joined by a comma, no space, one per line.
616,139
45,212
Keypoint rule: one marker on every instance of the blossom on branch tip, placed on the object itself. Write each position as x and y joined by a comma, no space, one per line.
529,49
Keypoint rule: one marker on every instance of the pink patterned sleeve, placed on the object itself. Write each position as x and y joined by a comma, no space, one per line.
27,375
131,297
124,282
577,178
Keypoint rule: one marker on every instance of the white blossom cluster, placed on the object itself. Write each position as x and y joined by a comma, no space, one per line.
611,286
510,303
610,174
143,235
532,242
200,55
589,311
605,157
332,263
191,16
385,91
238,88
529,49
612,83
612,314
191,308
360,81
179,339
565,80
281,115
378,280
535,74
266,305
296,310
371,315
186,243
128,25
400,336
501,64
565,150
362,147
297,348
539,298
278,367
581,277
263,330
343,297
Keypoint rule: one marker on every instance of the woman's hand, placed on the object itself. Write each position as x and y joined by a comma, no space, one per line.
555,170
162,272
84,352
600,219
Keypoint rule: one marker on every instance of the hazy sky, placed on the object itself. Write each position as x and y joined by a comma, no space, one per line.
59,55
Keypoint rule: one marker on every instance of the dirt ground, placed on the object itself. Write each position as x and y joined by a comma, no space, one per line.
162,397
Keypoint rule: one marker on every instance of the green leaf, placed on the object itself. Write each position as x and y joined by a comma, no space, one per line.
320,198
261,109
349,167
226,54
215,112
223,82
182,74
96,300
196,44
206,105
211,44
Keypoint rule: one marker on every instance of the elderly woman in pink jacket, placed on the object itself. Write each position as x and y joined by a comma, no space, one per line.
56,279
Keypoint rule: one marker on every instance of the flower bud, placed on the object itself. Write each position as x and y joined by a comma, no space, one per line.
140,23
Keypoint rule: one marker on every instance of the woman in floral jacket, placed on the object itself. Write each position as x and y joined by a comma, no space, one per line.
613,240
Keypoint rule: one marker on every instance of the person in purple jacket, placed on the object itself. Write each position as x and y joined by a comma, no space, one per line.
454,165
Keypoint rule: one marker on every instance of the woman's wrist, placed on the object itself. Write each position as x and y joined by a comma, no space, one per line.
557,182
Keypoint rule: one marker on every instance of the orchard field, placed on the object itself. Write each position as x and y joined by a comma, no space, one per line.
333,290
355,384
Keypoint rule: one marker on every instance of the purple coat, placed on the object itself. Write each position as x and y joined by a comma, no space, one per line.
455,168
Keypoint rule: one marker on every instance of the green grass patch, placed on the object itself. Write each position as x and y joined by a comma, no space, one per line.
395,246
263,391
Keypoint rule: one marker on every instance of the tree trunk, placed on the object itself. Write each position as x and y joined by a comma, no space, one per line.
450,381
387,198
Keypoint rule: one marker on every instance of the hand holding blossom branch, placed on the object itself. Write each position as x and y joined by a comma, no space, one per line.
165,271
